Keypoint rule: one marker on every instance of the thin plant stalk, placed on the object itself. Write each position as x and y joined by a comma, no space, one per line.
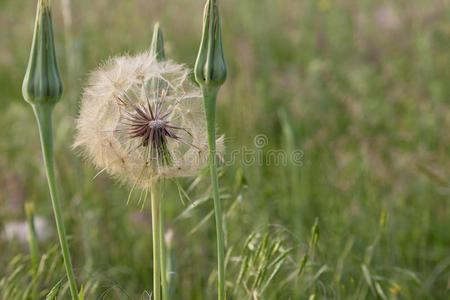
210,97
42,88
210,73
43,113
162,246
156,224
157,49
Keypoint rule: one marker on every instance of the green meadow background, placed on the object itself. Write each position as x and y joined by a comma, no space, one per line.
360,88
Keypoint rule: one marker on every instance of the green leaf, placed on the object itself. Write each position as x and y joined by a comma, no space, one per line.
81,293
54,292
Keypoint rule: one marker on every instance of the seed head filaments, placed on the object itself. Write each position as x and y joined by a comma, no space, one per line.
142,120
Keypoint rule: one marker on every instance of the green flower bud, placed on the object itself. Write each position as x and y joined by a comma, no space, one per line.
210,67
157,46
42,83
157,49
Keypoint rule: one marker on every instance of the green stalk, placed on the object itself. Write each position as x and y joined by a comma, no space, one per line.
156,224
210,99
43,113
211,73
157,49
162,246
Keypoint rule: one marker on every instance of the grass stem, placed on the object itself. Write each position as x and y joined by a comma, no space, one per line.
43,113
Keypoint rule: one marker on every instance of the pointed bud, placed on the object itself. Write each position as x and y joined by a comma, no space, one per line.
157,47
210,67
42,83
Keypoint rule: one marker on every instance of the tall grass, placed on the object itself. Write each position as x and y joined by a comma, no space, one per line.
361,88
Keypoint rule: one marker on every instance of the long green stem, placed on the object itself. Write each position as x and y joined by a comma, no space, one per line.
43,115
162,246
155,203
210,98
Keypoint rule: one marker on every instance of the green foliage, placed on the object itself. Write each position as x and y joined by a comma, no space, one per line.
361,87
19,282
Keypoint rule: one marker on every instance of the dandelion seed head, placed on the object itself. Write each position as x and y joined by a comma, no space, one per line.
142,120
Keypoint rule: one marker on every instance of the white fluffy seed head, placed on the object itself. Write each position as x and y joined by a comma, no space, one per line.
103,131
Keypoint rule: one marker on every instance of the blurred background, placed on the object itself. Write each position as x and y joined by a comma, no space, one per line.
360,88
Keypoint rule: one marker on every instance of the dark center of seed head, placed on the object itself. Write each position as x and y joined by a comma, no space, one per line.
157,124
